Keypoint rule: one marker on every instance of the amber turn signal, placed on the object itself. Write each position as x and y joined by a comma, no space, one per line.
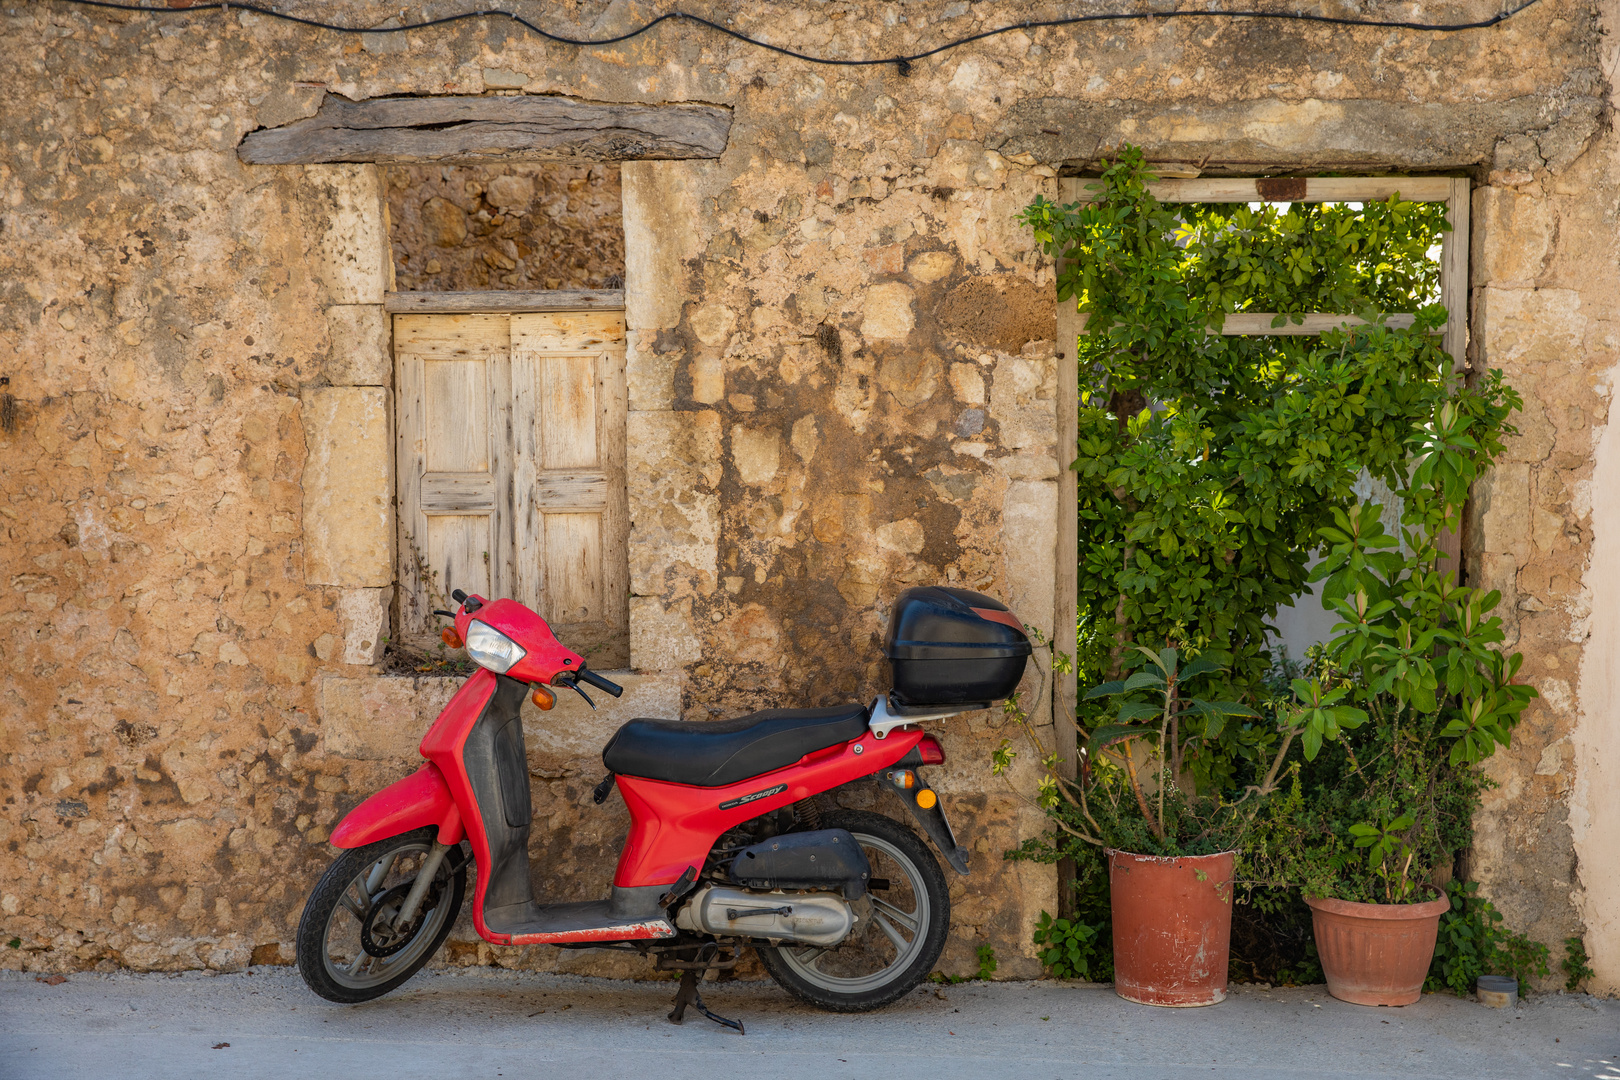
543,699
927,799
450,637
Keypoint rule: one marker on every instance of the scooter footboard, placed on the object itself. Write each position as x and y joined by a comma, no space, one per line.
422,798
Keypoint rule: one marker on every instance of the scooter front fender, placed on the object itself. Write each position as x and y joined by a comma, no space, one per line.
422,798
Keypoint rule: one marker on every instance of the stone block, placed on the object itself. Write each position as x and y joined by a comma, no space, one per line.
649,375
1529,327
888,311
1502,497
931,266
365,623
348,487
661,212
756,453
713,323
707,371
1025,418
662,639
1029,548
1513,234
673,463
362,345
351,252
967,381
381,718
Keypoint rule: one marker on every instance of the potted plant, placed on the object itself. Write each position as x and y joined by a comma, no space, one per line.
1171,851
1370,830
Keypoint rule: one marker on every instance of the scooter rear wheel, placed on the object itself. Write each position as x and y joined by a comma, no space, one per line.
348,949
900,934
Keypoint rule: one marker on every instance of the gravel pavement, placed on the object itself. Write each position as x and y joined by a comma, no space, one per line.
495,1024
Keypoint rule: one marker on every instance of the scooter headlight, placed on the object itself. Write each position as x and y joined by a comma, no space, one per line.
492,649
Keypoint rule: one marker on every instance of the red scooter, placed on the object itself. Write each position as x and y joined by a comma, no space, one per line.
730,847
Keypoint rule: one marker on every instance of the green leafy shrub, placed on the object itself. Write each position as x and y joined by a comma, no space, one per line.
1576,964
1073,949
1472,943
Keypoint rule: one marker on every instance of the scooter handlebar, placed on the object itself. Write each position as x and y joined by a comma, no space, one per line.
586,676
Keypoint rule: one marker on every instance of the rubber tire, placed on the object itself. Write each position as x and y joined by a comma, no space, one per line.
939,900
318,910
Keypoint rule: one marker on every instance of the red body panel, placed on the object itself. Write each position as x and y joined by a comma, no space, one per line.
442,746
544,657
673,826
422,798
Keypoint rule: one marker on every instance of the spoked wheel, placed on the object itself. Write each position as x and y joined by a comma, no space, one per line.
898,936
352,944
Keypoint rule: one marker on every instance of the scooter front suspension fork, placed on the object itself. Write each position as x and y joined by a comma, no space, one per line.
424,880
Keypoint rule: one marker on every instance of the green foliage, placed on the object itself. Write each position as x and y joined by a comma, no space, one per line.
987,968
1575,965
1134,764
1472,943
1374,817
16,943
1199,514
987,962
1074,949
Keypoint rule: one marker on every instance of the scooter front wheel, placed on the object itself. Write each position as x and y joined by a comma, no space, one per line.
899,933
351,944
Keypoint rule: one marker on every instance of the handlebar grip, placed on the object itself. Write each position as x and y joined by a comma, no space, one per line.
600,683
458,596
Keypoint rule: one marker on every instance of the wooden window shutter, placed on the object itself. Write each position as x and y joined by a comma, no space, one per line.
511,470
570,512
453,380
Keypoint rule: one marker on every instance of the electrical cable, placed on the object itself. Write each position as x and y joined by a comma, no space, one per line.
902,62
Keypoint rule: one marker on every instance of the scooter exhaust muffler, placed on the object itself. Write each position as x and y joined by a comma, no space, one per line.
809,918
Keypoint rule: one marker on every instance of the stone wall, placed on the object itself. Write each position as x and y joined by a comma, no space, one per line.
843,380
520,226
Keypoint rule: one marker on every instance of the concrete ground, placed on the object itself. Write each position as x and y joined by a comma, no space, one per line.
489,1023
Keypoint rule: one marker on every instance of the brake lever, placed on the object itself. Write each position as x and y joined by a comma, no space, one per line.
574,686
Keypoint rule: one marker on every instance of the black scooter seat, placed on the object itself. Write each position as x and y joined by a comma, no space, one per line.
721,752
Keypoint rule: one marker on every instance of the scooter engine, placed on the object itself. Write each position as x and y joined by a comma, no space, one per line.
813,918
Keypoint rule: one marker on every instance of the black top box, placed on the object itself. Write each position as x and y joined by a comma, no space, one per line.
954,647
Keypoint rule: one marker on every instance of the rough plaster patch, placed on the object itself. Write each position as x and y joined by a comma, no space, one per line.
662,638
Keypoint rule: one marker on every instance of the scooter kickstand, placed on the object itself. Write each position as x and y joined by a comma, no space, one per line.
688,994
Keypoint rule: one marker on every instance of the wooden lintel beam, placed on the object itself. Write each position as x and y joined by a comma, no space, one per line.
1307,189
493,302
475,129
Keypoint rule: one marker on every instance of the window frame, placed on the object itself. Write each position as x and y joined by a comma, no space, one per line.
615,523
1455,192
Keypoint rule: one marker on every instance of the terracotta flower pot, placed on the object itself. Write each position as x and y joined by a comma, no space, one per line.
1376,954
1172,927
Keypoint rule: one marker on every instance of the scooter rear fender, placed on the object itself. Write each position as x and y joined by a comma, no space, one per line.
422,798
